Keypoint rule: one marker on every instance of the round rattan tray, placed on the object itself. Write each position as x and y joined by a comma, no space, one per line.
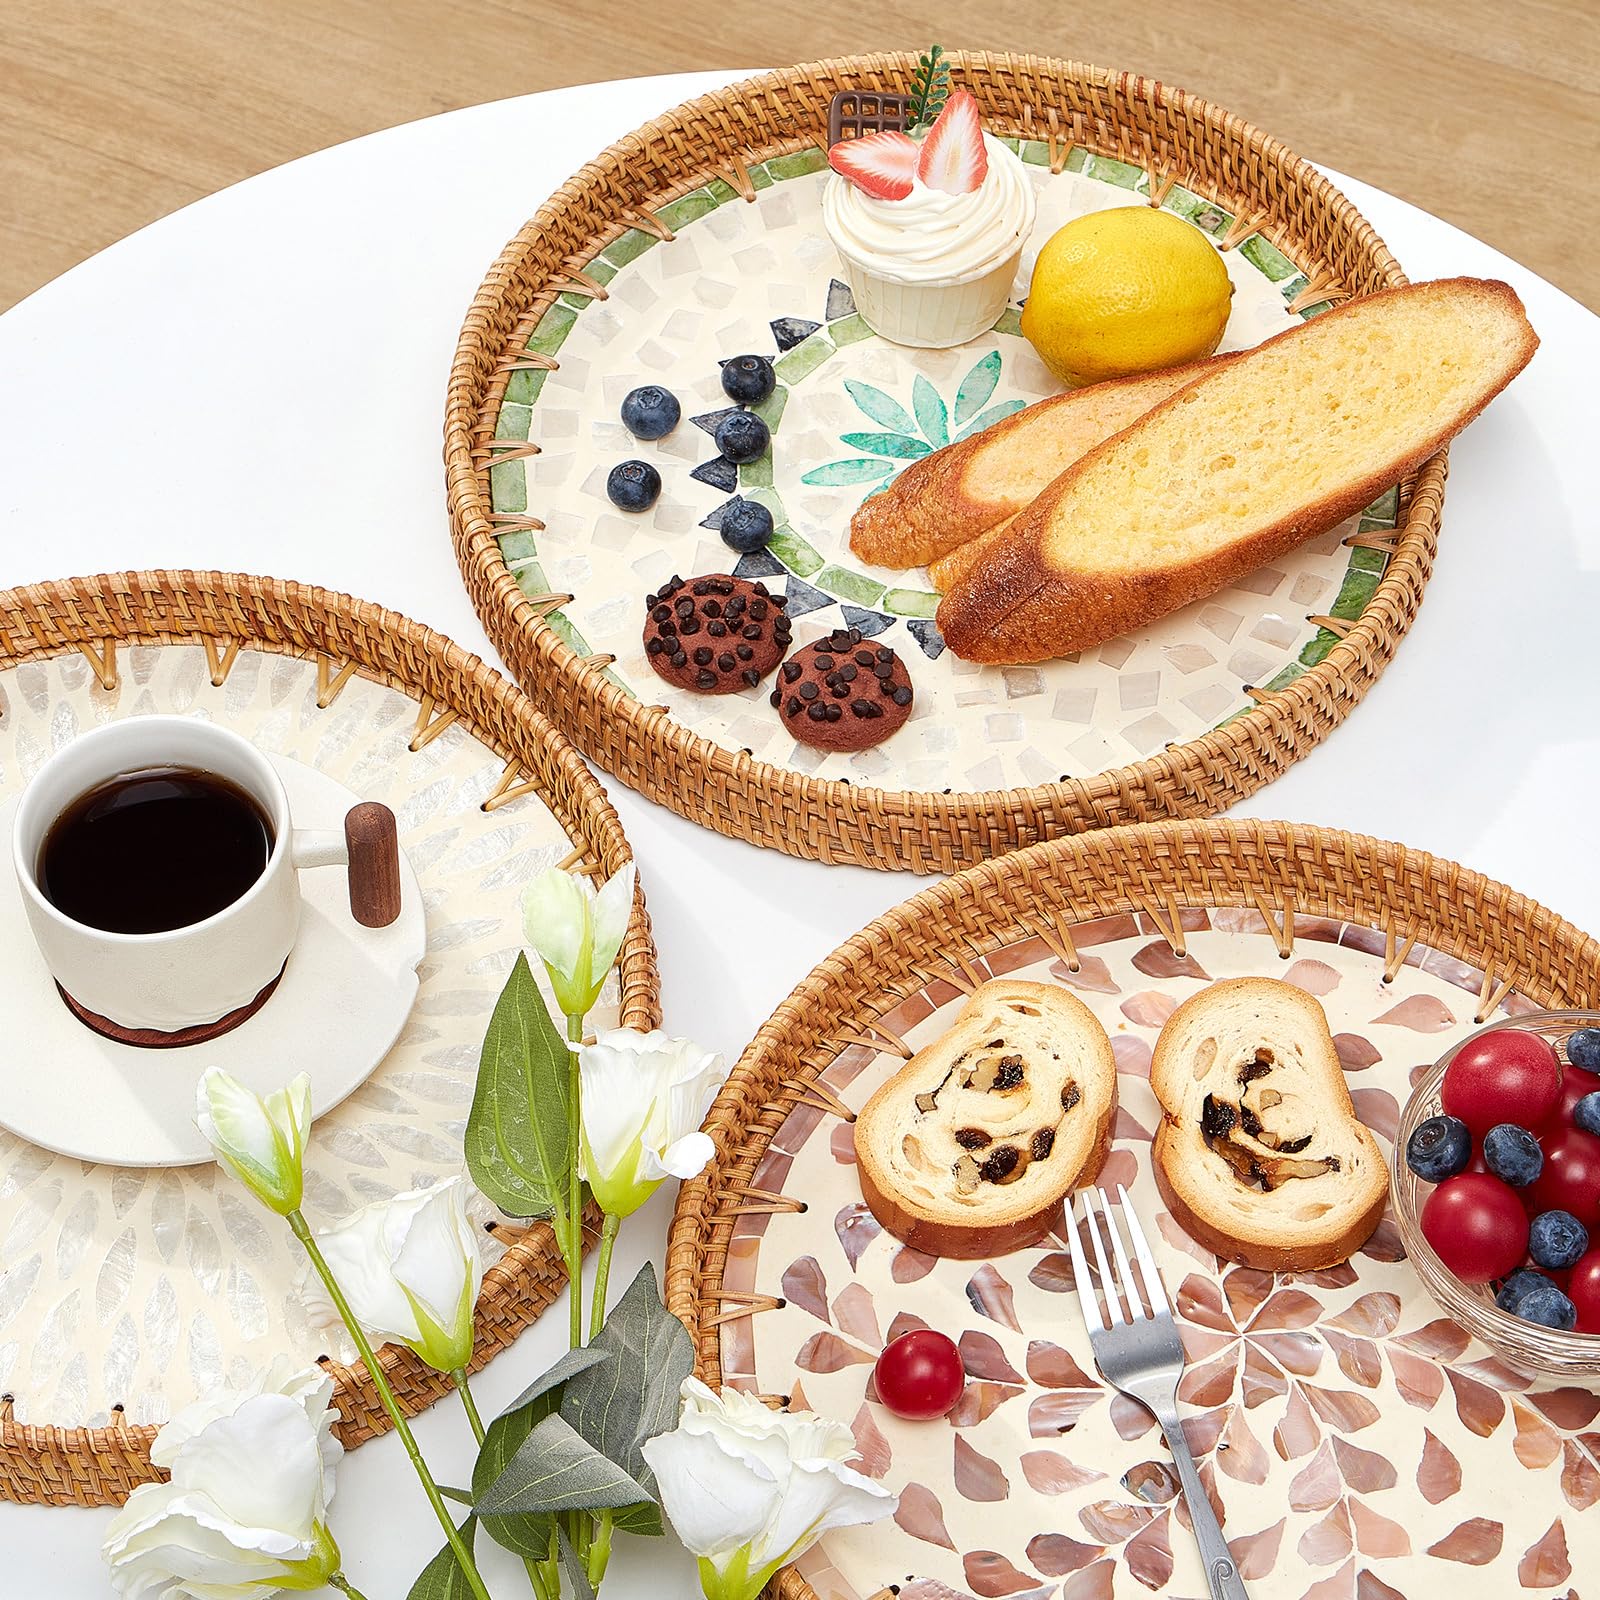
1403,947
1158,137
226,613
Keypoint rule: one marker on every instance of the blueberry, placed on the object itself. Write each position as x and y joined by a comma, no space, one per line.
1586,1112
746,526
742,436
650,412
747,379
1556,1240
1512,1154
633,485
1549,1308
1583,1049
1439,1149
1521,1282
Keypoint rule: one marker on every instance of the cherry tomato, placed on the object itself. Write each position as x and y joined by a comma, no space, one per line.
1583,1290
1476,1226
919,1375
1509,1075
1570,1180
1574,1085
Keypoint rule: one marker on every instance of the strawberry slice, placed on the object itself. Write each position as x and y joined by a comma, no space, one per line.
881,164
953,157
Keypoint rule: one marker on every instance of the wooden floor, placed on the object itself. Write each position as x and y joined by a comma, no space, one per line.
114,112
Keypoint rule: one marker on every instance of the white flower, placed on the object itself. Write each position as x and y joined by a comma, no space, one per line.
748,1489
644,1098
246,1510
261,1142
411,1270
576,932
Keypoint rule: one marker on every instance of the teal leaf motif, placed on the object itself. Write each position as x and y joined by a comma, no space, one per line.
880,407
898,445
931,415
977,386
861,470
988,418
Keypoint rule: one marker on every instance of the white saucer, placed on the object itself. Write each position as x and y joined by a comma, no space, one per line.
343,999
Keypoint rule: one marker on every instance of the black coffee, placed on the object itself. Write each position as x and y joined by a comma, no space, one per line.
152,850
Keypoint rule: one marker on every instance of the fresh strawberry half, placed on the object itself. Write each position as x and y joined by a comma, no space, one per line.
881,164
953,157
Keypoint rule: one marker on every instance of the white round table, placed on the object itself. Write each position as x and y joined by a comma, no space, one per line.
241,370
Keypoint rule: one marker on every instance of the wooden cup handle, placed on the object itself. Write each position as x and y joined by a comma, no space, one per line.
374,845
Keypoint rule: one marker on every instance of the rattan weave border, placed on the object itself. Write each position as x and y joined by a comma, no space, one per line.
223,611
1280,869
1176,137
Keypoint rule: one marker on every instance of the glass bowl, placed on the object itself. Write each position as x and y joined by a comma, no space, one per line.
1524,1345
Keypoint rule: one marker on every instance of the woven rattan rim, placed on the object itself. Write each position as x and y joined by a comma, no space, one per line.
1176,137
224,612
1280,869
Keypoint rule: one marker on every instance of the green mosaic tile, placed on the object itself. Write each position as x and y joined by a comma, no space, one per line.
1365,560
851,586
554,326
798,164
1385,508
518,545
849,330
721,191
794,552
910,603
568,634
1354,593
1316,652
1201,212
806,357
1293,286
1267,258
1316,310
771,409
686,208
1077,159
629,246
766,495
756,474
1011,144
513,422
529,575
508,486
522,388
1286,677
1035,152
1121,173
1010,322
760,178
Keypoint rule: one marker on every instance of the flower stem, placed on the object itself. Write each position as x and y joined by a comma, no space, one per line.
453,1538
600,1550
602,1271
459,1379
343,1584
574,1186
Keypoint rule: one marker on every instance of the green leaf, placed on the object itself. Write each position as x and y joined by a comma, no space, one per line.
930,88
572,1564
930,411
527,1535
556,1469
898,445
619,1405
879,406
860,470
442,1578
986,419
518,1139
977,386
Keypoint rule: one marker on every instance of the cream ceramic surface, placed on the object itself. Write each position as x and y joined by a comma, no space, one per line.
147,1287
1360,1446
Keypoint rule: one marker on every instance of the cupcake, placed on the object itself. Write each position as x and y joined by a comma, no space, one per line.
930,232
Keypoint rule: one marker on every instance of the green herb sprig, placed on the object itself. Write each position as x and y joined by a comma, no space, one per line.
930,88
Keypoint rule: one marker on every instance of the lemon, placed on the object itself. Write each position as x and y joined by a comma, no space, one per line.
1124,291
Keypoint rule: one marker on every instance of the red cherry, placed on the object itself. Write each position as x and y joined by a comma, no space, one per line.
1583,1290
1570,1180
1508,1075
1476,1226
919,1375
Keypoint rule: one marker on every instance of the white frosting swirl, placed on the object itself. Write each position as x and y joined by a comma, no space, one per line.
930,236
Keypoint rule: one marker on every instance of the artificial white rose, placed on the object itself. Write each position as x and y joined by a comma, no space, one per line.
748,1489
246,1510
261,1142
644,1098
577,933
411,1270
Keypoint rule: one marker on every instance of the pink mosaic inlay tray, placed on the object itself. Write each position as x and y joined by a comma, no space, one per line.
1358,1444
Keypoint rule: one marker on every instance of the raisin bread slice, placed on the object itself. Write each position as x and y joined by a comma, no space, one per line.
971,1147
1260,1155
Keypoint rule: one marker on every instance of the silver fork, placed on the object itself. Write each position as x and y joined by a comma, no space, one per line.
1141,1354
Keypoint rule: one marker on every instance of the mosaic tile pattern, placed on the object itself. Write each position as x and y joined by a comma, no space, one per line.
1358,1445
850,410
147,1287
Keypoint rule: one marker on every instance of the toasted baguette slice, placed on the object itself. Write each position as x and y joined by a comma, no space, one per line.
959,492
1309,1184
1240,466
971,1147
945,573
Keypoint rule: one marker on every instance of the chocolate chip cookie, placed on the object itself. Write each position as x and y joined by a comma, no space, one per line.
716,634
843,692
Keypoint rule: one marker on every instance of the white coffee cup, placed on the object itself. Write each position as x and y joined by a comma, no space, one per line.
184,978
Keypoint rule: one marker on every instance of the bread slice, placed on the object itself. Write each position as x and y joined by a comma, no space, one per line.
945,573
957,493
1260,1155
1249,460
971,1147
